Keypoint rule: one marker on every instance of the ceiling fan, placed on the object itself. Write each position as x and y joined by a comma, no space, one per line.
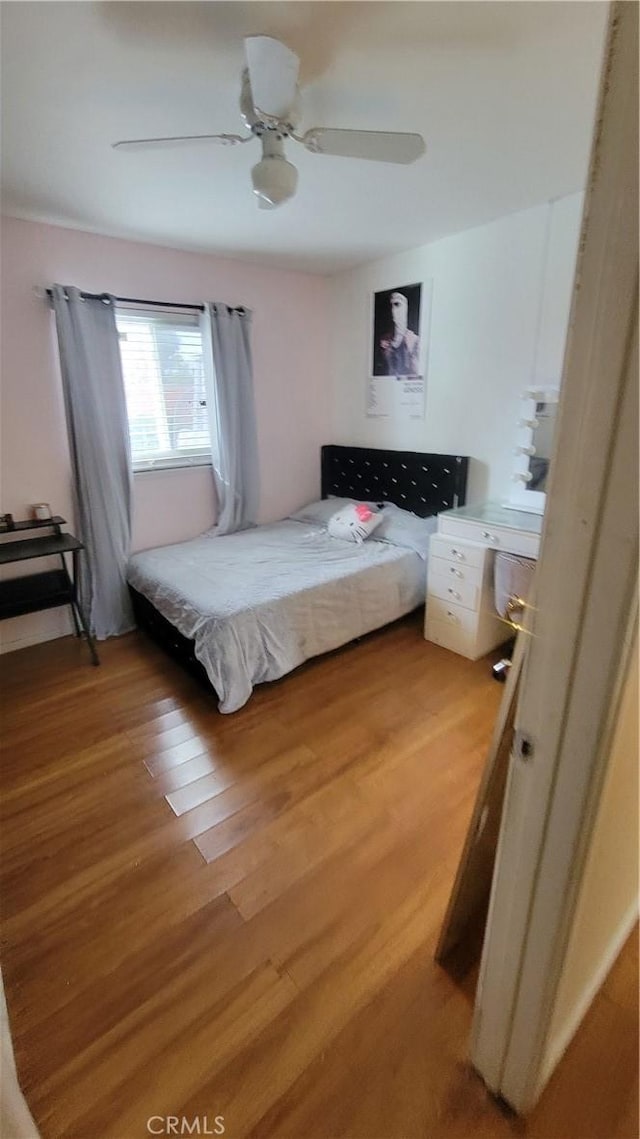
270,108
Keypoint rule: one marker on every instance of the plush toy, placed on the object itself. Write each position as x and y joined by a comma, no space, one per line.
354,523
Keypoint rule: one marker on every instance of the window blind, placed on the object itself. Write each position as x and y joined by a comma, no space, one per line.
163,375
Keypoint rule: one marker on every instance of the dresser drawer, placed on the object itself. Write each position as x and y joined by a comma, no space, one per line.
464,631
443,585
456,571
463,553
453,637
493,537
452,614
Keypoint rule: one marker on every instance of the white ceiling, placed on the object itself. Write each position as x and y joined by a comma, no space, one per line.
504,94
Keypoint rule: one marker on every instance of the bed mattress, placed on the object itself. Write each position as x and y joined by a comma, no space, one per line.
258,603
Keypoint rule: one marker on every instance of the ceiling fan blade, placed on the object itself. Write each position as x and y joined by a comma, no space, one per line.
378,146
179,140
273,75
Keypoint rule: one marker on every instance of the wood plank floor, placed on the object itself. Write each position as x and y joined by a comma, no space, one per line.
235,916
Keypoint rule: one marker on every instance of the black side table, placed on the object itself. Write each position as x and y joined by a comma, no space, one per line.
46,590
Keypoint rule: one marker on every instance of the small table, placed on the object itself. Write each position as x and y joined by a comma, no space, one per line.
47,590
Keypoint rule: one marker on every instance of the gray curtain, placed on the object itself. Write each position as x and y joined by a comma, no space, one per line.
100,454
226,346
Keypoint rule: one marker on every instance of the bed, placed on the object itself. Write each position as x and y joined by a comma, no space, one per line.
250,607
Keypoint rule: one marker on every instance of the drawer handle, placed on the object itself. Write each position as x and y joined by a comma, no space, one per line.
489,536
454,593
457,553
454,620
457,572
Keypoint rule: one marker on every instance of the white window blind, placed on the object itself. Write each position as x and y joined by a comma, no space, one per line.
164,383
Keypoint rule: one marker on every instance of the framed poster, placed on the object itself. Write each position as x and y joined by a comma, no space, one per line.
395,350
396,387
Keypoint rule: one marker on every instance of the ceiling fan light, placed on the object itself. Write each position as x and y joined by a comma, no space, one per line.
274,179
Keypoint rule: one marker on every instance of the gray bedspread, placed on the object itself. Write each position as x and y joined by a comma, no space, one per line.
259,603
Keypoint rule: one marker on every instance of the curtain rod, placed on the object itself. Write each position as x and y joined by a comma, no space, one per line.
133,301
144,303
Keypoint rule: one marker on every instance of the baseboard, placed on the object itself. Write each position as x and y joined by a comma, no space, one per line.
35,639
562,1041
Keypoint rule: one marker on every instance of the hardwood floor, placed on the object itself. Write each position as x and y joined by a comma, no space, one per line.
235,916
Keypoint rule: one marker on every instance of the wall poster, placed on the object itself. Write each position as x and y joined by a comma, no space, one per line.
400,323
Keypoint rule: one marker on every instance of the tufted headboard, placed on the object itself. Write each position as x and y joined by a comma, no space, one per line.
423,484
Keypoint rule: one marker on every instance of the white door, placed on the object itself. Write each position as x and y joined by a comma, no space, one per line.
586,597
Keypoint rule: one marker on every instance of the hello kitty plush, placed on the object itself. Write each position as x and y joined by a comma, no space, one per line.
354,523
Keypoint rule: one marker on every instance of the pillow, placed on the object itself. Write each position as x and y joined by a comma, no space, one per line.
322,511
354,522
402,528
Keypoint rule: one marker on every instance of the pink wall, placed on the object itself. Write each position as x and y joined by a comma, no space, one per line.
290,324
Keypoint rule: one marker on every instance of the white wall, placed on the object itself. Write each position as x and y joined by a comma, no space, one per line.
498,324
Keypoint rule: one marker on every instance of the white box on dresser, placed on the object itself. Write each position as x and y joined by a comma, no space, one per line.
460,612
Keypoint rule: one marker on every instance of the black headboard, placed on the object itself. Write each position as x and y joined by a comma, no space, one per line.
423,484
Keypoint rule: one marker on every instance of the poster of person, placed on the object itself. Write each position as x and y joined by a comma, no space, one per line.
396,331
396,387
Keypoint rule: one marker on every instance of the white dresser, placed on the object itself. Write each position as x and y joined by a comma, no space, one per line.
460,613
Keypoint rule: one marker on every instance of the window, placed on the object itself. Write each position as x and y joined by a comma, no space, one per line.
164,384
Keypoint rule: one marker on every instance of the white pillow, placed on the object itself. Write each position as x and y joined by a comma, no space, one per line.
354,523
